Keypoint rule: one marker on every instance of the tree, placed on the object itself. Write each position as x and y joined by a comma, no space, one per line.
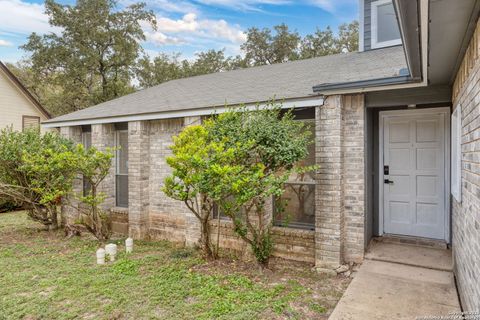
348,37
210,61
161,69
165,67
200,168
321,43
91,57
268,144
37,172
261,47
94,166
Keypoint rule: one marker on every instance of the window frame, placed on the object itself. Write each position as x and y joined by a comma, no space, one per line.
375,44
117,166
86,131
292,224
37,118
456,154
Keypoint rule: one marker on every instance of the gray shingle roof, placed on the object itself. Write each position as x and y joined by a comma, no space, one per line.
282,81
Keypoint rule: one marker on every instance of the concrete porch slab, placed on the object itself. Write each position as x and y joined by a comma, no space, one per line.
431,258
400,282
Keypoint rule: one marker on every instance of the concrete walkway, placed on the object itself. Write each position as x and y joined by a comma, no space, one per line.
398,281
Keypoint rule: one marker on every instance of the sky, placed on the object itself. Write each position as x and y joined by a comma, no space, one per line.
187,26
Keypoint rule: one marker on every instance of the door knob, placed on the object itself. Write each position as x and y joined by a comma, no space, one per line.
388,181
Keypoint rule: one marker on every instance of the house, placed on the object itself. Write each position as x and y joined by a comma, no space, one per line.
18,107
397,128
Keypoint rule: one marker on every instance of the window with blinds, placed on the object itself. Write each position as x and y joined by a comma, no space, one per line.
121,170
30,122
87,143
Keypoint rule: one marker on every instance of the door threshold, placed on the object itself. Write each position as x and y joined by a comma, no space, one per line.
415,241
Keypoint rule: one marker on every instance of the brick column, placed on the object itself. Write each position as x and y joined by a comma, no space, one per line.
340,190
138,178
329,195
69,211
192,225
354,177
103,136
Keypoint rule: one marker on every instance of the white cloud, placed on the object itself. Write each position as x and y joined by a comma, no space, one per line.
334,6
161,38
189,28
187,24
178,6
23,18
246,5
5,43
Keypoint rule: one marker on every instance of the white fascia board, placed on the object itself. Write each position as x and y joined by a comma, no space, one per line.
313,101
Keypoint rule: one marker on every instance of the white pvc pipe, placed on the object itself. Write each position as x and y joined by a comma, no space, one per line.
129,245
111,250
101,256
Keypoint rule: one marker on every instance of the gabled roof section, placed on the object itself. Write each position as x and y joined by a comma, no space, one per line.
22,88
284,81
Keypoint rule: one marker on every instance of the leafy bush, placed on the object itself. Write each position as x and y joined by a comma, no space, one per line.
269,144
36,171
94,166
237,160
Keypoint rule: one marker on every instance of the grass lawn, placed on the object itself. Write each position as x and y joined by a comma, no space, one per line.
46,276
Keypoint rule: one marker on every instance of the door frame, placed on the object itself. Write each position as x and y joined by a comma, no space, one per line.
404,112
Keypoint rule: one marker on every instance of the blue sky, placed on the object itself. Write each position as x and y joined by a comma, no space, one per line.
187,26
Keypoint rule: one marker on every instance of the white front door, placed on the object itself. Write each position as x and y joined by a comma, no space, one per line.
414,174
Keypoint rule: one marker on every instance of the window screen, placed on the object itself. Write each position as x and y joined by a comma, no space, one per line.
296,207
456,184
121,179
87,143
385,31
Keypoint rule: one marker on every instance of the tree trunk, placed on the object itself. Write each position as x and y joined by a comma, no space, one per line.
205,239
54,218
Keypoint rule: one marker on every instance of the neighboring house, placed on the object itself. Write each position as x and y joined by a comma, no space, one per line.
397,138
18,108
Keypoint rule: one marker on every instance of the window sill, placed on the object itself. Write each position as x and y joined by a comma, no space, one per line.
120,210
293,232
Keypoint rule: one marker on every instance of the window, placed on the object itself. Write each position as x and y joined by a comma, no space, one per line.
217,211
296,207
384,29
121,168
29,122
87,143
456,184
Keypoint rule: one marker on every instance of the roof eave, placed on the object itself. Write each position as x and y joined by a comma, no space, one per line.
20,85
408,17
303,102
415,47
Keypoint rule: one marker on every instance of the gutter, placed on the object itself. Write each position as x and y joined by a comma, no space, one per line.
312,101
362,84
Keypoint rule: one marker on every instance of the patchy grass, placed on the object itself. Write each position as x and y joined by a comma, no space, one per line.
45,276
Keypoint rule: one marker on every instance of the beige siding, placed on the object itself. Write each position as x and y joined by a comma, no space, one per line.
14,104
